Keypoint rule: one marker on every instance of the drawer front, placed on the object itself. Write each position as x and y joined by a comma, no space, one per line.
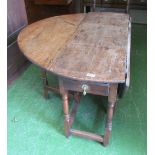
92,88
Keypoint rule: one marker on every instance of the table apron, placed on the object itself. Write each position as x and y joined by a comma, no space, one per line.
92,88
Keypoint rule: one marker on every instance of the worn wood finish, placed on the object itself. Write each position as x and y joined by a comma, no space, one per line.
40,42
99,44
98,40
89,54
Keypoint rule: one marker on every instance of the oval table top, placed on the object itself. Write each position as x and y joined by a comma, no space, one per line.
89,47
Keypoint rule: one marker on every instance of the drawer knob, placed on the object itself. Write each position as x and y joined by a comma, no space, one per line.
85,88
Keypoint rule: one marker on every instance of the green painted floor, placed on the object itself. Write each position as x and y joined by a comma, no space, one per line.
35,125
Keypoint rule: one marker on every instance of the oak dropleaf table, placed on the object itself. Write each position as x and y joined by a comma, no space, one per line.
89,53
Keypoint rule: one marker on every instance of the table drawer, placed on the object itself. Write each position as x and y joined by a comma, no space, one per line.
92,88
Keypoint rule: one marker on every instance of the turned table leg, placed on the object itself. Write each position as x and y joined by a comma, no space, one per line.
111,104
65,95
45,82
66,113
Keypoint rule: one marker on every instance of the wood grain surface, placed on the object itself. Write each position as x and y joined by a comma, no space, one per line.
89,47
